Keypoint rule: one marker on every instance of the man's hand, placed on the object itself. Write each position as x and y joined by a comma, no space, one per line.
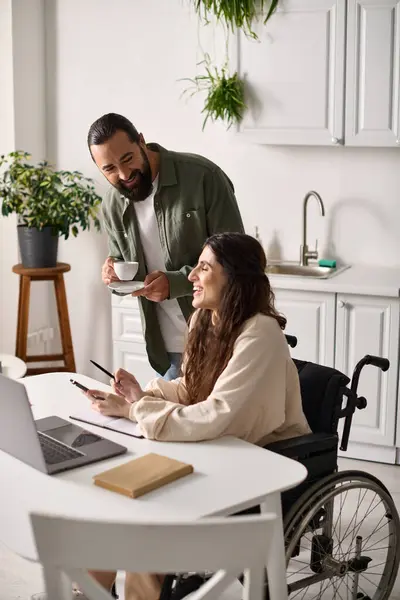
107,271
156,287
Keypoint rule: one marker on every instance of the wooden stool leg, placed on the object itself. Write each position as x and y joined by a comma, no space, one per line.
23,317
63,319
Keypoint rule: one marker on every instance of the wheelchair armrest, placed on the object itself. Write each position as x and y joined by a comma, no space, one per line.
304,445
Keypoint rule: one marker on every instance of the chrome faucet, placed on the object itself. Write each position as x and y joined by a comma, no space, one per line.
305,253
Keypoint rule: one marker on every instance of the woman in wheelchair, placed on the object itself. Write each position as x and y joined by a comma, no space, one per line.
342,529
238,376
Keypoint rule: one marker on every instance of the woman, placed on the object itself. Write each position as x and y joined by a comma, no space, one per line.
238,377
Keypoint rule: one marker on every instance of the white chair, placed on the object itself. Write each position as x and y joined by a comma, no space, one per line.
67,548
12,366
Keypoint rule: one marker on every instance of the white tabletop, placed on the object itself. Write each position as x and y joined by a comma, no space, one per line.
229,475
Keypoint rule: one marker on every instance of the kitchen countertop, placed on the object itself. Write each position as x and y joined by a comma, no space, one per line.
358,279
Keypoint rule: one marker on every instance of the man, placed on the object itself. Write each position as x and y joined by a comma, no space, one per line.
159,210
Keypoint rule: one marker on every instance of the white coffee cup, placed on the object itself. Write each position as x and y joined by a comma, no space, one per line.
125,271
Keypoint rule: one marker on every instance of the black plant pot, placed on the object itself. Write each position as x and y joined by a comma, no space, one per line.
38,247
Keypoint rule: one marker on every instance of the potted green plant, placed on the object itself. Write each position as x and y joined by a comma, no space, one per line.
225,94
49,204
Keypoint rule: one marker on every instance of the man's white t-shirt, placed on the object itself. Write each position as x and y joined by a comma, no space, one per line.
172,322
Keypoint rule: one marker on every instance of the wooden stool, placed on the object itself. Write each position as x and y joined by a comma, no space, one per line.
55,274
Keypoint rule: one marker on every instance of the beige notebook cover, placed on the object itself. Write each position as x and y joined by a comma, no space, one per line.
142,475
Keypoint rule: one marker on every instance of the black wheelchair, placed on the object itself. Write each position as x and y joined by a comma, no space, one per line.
342,528
334,552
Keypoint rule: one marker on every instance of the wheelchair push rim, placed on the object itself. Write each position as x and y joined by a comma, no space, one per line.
340,553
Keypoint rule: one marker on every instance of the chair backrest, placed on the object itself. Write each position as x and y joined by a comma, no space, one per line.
321,395
67,548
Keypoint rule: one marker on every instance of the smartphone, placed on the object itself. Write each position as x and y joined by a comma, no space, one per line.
79,385
83,388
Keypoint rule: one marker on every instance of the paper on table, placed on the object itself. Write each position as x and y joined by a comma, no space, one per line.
91,416
126,426
88,415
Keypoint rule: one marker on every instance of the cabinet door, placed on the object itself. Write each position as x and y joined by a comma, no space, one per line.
295,74
129,348
126,325
370,325
311,318
373,73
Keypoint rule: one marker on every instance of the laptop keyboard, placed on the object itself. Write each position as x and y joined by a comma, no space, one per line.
54,452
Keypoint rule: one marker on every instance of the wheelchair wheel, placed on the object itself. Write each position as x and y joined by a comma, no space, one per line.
342,540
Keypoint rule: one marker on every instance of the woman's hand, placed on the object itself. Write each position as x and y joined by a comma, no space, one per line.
109,405
127,386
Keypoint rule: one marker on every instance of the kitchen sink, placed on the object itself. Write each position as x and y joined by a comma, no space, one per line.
296,270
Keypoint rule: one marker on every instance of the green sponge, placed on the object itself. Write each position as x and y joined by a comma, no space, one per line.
324,262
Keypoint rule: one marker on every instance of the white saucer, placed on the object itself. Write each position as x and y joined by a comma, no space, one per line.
126,287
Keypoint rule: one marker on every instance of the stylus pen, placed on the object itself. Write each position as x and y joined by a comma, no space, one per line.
102,369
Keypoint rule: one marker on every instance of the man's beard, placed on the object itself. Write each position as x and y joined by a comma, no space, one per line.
143,185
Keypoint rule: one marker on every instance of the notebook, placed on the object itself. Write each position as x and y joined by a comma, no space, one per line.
88,415
142,475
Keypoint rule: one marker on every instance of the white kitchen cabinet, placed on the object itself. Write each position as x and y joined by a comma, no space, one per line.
311,318
129,348
370,325
373,73
295,74
325,72
339,329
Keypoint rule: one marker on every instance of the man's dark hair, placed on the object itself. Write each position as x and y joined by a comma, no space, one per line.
106,126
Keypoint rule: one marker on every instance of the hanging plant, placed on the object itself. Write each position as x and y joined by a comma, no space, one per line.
236,14
225,94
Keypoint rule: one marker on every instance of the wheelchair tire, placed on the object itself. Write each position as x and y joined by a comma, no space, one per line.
331,552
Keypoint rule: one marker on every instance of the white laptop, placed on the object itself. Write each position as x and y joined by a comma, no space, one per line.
50,445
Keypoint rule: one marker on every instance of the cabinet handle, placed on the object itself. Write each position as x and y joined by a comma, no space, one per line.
335,140
398,141
342,303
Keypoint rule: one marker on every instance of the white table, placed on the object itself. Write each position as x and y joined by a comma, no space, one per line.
230,475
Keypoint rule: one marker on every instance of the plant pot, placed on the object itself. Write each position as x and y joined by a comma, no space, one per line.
38,247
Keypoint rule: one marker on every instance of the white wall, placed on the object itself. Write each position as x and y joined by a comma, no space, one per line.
131,54
127,56
30,125
23,127
8,245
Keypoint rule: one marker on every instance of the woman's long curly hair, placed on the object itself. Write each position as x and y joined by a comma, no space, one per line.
247,292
